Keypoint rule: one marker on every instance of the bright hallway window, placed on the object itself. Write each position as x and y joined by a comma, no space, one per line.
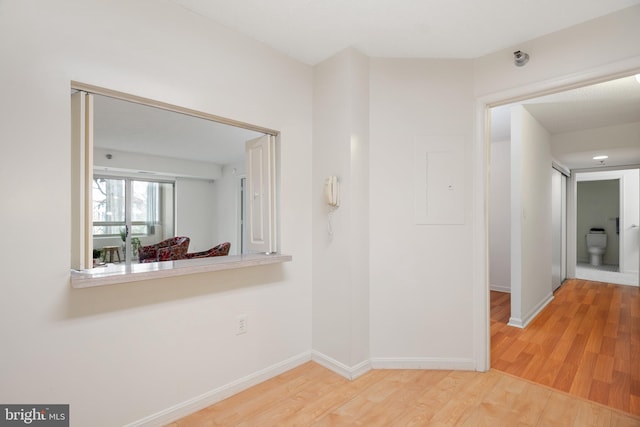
143,207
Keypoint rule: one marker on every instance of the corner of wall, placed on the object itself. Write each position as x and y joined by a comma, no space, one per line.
350,373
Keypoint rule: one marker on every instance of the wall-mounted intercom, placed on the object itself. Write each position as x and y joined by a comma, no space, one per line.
332,191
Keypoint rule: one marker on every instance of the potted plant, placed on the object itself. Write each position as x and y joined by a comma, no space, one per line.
135,244
98,257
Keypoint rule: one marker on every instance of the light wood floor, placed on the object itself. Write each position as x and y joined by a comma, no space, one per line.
311,395
585,342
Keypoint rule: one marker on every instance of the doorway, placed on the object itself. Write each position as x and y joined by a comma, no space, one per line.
607,201
569,129
584,144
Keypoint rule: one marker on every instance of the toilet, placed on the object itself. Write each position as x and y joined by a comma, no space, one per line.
596,245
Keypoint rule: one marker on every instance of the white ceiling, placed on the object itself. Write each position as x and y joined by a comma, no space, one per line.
314,30
127,126
597,106
605,104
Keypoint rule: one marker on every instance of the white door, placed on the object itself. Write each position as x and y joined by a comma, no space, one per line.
82,179
260,193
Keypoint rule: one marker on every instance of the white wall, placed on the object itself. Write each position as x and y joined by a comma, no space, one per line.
423,277
590,50
618,137
341,259
531,286
139,348
421,280
149,163
500,217
196,212
145,347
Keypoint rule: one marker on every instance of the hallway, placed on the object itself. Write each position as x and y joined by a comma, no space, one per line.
581,343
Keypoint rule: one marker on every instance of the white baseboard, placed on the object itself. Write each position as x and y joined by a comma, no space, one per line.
499,288
516,322
339,368
522,323
436,363
216,395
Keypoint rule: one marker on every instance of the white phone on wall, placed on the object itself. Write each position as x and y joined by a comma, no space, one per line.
331,191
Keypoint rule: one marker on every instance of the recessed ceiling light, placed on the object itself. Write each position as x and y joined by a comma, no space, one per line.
600,157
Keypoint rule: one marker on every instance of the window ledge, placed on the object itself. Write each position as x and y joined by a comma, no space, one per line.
120,273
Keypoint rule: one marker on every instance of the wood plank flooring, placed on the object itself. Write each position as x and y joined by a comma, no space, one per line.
311,395
580,354
585,342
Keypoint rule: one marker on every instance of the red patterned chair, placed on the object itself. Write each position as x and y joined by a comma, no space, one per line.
220,250
168,250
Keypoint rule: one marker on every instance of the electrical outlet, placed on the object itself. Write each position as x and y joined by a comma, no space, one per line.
242,323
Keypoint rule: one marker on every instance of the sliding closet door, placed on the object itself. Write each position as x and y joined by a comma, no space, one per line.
558,228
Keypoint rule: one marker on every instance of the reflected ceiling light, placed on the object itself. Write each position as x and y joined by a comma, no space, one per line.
638,78
600,157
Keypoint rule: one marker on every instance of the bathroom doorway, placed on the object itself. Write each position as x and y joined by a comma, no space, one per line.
607,202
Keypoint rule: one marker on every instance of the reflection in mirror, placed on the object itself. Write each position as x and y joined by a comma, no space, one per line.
166,185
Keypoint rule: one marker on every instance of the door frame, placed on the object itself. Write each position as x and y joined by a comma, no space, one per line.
607,173
480,179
